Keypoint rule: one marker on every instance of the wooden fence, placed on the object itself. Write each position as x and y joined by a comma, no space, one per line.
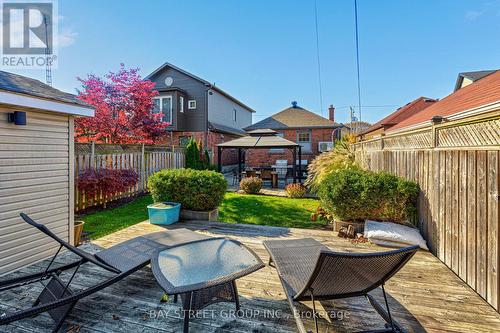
143,159
458,170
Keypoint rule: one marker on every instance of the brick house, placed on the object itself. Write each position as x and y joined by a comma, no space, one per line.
197,108
313,132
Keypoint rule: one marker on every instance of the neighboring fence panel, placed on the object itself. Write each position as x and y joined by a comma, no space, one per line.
458,206
145,160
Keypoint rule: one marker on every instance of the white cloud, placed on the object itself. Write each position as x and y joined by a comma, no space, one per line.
66,37
473,15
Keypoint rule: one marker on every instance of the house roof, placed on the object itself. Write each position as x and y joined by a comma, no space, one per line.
402,113
293,117
483,92
214,127
28,86
262,141
205,82
473,76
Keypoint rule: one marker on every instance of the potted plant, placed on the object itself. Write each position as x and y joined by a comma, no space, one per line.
199,192
164,212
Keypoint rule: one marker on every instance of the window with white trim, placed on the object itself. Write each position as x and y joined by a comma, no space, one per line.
304,139
234,115
181,104
163,104
192,104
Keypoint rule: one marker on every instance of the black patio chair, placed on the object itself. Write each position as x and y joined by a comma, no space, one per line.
310,271
123,259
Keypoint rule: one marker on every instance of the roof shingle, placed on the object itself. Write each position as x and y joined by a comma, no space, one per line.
293,117
28,86
482,92
402,113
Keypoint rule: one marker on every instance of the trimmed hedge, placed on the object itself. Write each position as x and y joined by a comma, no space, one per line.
355,194
193,189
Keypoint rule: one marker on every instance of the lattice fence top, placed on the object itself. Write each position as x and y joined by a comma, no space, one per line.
409,141
486,133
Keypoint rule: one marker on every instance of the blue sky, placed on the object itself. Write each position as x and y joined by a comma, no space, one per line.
264,52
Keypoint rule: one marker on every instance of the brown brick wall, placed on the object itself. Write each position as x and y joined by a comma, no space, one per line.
266,157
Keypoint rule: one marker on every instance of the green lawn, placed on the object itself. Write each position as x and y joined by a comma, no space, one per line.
107,221
268,210
236,208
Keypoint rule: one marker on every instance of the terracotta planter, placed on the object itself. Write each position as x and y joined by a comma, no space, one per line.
208,215
78,228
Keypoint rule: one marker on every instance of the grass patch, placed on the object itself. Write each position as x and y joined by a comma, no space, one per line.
107,221
235,208
268,210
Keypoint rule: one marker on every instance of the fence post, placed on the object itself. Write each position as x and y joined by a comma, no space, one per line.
92,155
143,168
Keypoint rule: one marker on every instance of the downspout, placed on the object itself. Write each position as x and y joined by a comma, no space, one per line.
205,144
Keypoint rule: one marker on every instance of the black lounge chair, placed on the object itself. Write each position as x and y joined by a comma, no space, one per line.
58,299
310,271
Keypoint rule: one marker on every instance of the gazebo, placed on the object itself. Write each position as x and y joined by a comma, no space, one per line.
262,139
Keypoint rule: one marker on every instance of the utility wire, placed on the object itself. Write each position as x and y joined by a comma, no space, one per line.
357,55
317,56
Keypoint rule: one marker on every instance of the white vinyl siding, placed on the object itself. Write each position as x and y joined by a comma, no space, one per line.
35,179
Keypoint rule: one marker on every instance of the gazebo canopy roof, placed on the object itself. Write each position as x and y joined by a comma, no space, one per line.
264,140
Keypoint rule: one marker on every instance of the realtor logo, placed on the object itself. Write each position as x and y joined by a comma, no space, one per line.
28,31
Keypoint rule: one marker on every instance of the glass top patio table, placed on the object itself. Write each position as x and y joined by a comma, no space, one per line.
202,264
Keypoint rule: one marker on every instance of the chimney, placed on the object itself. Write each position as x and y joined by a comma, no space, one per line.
331,113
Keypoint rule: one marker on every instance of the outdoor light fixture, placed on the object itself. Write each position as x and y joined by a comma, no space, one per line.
17,117
438,119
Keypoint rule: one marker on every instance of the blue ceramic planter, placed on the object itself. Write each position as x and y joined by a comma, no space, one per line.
164,212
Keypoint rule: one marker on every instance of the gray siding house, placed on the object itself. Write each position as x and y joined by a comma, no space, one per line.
197,108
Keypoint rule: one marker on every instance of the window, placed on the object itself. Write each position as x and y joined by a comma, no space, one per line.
192,104
277,150
163,104
234,115
183,141
304,139
181,104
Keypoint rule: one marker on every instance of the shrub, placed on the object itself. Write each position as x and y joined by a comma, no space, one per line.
193,189
295,190
251,185
196,158
355,194
106,182
341,157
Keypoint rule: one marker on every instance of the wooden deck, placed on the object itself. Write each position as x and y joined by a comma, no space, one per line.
424,296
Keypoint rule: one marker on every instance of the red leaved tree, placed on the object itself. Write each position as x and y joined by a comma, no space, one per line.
123,104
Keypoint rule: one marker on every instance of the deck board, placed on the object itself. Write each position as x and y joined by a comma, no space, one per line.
424,296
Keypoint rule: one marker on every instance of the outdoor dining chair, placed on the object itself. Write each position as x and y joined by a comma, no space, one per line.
309,271
123,259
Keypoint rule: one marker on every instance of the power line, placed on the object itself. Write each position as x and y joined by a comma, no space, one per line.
357,55
317,56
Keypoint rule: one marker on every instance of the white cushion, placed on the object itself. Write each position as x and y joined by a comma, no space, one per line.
393,234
